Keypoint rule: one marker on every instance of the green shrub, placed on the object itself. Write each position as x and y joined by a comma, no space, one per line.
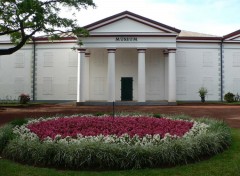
229,97
157,115
18,122
99,114
202,92
6,134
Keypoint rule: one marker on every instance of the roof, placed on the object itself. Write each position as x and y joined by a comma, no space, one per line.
62,36
182,35
194,34
232,35
127,14
188,35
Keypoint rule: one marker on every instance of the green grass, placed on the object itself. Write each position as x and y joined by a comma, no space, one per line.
17,104
233,103
224,164
208,102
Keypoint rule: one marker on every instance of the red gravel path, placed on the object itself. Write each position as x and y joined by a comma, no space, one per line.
228,113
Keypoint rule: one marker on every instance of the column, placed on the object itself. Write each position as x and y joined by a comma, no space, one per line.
86,84
141,75
165,52
172,75
80,75
111,75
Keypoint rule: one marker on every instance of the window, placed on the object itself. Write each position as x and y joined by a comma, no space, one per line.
47,85
207,59
236,85
48,59
236,59
19,60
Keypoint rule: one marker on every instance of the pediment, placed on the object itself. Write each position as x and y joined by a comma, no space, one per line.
127,22
234,36
127,25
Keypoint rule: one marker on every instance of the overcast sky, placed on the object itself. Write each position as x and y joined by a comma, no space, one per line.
216,17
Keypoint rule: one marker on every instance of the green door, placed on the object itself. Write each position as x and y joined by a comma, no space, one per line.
126,89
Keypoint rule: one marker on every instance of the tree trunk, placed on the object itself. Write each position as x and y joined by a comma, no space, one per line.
9,51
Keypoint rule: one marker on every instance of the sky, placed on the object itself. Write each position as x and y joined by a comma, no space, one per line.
216,17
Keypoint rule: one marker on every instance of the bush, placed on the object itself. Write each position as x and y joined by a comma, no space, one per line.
6,134
202,92
99,114
229,97
18,122
24,98
98,155
157,115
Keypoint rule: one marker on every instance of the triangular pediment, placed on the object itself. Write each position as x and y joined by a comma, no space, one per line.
237,39
234,36
126,25
127,22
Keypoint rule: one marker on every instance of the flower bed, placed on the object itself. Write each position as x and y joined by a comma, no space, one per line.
107,126
123,142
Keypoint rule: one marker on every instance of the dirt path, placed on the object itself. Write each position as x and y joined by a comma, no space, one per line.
228,113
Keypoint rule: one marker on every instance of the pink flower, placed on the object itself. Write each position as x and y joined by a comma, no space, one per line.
93,126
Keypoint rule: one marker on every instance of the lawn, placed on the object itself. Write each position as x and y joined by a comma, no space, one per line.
224,164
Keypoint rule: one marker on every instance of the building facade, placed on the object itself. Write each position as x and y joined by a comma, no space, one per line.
126,58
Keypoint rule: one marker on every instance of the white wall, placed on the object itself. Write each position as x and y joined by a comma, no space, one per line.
231,68
56,73
98,74
198,65
15,73
155,74
126,66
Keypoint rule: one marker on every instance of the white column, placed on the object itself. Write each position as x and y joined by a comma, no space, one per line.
111,75
172,76
87,57
141,75
165,52
80,75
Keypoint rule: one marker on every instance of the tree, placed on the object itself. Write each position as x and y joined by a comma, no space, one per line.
22,19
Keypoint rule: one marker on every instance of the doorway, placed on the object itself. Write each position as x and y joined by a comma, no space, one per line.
126,89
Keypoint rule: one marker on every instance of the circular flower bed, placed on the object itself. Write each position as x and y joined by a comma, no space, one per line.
108,128
122,142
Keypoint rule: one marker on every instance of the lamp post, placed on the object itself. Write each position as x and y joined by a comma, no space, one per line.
113,109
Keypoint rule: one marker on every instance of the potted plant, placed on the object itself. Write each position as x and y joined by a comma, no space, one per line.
202,93
24,98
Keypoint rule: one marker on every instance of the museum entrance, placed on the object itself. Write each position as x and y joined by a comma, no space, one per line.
126,89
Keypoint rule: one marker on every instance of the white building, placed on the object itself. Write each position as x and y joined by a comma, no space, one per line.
127,58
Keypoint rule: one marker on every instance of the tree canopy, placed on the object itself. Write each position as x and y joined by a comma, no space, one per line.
22,19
